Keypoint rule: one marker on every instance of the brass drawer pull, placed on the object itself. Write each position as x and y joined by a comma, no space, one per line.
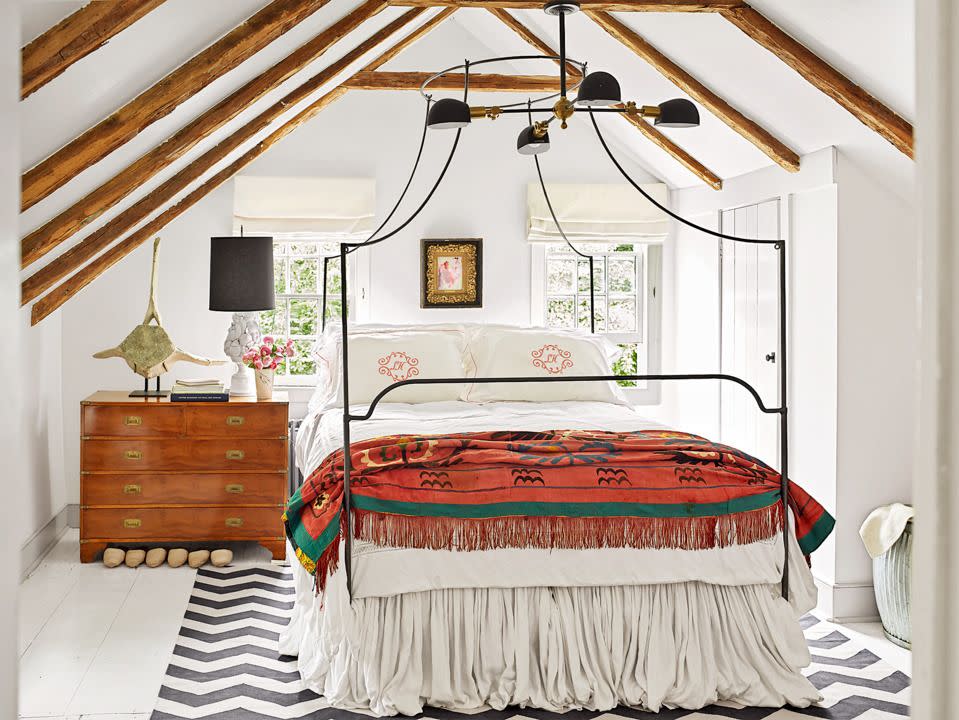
131,523
133,420
133,454
235,489
234,522
234,420
235,454
132,489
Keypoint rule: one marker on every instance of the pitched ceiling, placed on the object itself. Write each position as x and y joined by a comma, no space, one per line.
871,41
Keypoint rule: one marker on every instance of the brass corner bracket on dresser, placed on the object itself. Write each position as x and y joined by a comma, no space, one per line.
154,471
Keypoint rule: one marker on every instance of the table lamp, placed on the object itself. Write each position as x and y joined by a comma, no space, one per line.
241,282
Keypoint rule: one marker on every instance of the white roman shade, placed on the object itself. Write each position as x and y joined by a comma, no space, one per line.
597,213
336,208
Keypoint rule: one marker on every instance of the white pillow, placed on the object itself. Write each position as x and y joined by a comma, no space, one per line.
380,358
515,352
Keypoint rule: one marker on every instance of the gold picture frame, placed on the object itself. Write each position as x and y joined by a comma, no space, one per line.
452,273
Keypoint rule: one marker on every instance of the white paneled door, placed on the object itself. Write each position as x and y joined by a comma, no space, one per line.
749,340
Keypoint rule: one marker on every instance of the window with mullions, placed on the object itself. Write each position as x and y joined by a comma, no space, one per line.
624,286
298,280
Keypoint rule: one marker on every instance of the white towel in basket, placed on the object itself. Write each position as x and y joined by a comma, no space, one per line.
883,527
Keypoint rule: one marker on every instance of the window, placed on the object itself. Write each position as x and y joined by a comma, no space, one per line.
298,278
626,278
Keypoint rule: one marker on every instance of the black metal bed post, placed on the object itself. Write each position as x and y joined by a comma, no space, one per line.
783,409
784,413
347,499
326,265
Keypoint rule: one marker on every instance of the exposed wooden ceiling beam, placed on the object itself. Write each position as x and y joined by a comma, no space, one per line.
162,98
866,108
57,230
621,6
75,37
679,154
67,289
479,82
74,258
783,155
654,135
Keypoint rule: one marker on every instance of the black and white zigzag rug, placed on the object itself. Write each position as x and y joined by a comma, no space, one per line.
225,666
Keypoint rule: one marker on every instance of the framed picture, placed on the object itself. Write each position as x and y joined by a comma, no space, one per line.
452,275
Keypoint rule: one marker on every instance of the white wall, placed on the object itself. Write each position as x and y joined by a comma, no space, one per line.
42,422
11,419
878,353
362,135
852,345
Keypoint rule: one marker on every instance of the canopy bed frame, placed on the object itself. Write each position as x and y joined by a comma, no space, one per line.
598,93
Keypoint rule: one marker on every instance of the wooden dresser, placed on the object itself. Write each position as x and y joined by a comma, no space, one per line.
154,471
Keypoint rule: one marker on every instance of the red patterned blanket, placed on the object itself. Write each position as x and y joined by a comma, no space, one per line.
556,489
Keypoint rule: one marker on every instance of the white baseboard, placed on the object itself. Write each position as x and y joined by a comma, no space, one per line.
846,602
43,540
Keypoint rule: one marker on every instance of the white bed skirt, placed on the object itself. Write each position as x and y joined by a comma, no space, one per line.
648,646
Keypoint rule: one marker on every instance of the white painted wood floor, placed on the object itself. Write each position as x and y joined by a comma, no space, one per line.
95,643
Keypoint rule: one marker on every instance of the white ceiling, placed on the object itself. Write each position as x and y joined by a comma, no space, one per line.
872,41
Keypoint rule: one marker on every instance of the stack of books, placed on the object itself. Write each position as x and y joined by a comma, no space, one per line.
202,390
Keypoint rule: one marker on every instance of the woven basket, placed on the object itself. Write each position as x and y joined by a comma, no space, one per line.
892,579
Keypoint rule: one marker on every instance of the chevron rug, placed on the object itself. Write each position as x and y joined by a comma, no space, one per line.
225,666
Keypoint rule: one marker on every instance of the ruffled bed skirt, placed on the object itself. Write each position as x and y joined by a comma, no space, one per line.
649,646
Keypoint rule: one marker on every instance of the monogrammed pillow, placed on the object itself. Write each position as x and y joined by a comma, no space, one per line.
514,352
381,358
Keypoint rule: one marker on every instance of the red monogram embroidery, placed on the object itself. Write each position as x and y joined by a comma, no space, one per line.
399,366
552,358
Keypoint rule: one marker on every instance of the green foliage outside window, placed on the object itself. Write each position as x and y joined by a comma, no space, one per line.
298,281
617,272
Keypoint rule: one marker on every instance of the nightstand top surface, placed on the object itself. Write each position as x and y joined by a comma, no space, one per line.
122,397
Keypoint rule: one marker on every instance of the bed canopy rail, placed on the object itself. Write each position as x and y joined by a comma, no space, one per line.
598,93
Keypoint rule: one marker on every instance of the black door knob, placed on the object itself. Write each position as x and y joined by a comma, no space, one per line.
771,357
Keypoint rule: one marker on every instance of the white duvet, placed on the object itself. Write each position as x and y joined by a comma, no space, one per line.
556,630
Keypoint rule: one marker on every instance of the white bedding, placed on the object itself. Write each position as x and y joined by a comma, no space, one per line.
556,630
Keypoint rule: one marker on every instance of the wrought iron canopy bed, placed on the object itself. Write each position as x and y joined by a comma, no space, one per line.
599,92
764,642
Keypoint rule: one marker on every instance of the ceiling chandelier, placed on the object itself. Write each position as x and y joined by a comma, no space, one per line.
595,92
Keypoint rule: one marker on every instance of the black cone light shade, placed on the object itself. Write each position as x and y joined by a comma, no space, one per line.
529,144
241,274
677,113
448,114
599,89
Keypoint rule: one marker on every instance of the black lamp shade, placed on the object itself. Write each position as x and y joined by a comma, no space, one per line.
599,89
241,274
449,114
677,113
528,144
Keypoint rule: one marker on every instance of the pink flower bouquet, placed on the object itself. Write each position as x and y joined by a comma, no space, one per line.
271,352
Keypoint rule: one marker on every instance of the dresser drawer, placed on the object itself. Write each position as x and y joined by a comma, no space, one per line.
138,455
234,420
133,420
178,524
184,489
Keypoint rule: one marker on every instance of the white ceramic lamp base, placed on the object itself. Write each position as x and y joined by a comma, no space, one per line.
243,335
241,384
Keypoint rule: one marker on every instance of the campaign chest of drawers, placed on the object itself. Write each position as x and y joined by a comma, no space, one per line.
155,471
